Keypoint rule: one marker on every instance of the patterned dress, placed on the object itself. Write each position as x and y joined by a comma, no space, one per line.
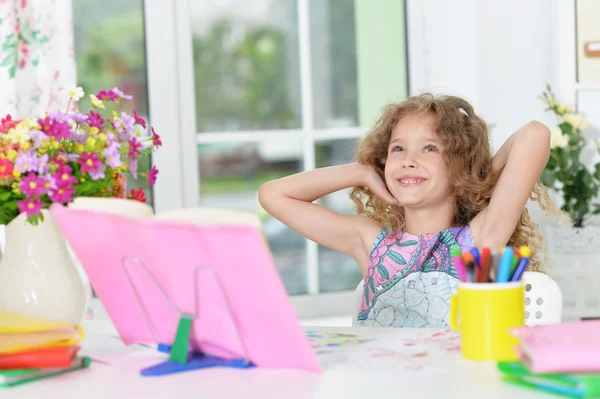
411,278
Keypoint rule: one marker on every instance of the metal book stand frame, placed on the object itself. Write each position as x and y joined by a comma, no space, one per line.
180,357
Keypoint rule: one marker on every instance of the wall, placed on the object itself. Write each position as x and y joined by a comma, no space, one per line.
498,55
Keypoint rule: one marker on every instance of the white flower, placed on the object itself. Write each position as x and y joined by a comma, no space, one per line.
74,93
557,138
564,109
576,120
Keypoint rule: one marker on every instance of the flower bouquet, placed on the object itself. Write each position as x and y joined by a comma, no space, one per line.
60,155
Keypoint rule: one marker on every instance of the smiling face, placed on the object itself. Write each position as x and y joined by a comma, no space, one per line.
415,171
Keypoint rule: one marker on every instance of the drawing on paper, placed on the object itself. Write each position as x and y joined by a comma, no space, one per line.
424,352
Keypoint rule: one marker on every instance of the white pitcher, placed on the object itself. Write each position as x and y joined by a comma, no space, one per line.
37,274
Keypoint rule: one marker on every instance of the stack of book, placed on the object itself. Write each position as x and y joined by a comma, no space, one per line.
32,349
563,359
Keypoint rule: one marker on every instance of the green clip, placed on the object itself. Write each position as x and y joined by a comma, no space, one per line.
179,349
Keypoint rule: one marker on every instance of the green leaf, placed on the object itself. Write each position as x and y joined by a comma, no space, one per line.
597,172
12,71
407,243
4,196
383,272
372,284
548,178
566,128
367,297
8,212
397,258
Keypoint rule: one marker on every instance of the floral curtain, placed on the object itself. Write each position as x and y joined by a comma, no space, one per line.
36,55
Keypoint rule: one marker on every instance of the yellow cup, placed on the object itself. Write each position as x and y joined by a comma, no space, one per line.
484,313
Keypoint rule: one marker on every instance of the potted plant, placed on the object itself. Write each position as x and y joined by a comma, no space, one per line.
566,172
54,158
574,178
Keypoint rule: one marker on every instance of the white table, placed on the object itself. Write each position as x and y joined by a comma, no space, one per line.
454,378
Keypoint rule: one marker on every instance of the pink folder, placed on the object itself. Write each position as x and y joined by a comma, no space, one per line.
181,258
561,348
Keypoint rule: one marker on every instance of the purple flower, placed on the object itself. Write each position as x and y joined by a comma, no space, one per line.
112,156
37,136
27,162
132,167
98,173
128,122
120,94
43,164
69,157
80,136
58,116
78,118
110,138
49,182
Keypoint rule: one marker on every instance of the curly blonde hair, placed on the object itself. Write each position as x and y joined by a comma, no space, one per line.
468,157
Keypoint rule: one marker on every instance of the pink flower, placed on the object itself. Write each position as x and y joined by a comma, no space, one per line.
6,168
31,206
95,120
138,120
134,149
106,95
63,176
8,123
63,193
156,139
89,162
32,185
55,127
152,175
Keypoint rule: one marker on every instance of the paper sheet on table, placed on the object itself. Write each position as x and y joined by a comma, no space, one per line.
425,352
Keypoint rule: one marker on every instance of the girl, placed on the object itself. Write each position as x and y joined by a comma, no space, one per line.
425,180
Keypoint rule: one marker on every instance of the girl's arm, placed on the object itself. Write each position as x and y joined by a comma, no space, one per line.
289,199
522,159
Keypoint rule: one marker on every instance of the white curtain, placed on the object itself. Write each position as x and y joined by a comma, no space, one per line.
37,58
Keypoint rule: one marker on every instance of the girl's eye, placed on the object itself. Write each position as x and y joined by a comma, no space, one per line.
397,148
430,148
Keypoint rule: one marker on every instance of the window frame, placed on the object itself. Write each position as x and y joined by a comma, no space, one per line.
172,112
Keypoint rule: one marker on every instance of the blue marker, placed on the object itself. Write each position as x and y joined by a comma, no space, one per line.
503,273
522,265
476,256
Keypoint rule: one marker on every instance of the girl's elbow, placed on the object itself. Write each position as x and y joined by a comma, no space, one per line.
264,194
540,131
538,136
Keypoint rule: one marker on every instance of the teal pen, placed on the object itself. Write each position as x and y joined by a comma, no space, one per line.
503,273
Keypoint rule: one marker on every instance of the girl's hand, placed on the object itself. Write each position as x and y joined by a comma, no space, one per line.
376,184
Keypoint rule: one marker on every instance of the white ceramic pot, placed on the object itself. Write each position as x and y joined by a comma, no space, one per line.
37,274
575,266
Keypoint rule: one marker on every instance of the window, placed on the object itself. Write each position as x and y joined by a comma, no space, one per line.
262,89
110,51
